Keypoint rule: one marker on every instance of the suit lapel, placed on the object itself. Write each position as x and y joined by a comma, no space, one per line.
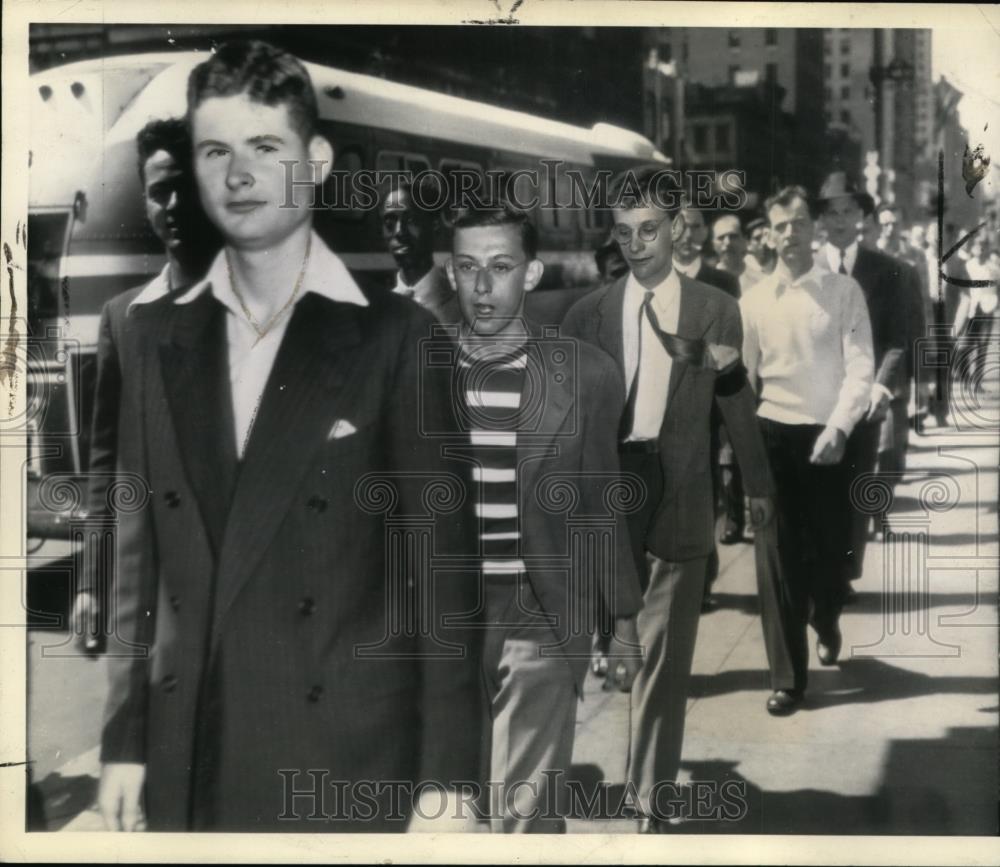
609,326
194,362
536,440
303,394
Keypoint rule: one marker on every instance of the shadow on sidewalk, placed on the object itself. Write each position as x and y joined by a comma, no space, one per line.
929,787
854,681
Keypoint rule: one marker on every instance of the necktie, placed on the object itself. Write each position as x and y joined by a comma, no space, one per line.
628,416
843,267
678,348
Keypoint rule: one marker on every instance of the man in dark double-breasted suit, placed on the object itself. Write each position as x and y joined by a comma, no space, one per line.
676,343
885,286
290,665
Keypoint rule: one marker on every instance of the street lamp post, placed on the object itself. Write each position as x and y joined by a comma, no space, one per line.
667,70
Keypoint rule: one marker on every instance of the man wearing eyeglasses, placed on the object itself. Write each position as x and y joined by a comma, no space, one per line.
676,343
409,228
540,413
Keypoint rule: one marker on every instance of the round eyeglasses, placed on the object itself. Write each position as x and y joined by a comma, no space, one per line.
647,231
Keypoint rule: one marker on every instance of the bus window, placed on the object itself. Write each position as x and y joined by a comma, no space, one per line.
401,161
456,173
339,191
47,240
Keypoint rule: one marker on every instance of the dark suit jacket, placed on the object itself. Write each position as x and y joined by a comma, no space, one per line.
882,280
568,472
683,523
286,630
728,283
113,408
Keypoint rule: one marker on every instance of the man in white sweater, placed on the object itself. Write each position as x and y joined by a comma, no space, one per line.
807,348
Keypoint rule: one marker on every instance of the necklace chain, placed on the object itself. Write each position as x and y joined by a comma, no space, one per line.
262,330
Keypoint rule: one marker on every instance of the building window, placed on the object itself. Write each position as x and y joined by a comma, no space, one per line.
666,52
845,116
732,74
771,73
722,138
827,93
845,70
828,115
827,71
845,92
845,47
684,51
734,39
700,138
771,36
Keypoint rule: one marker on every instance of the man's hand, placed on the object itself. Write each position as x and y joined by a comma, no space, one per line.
829,447
84,621
624,655
119,795
879,404
761,512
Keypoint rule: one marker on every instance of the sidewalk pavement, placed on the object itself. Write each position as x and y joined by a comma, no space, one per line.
899,738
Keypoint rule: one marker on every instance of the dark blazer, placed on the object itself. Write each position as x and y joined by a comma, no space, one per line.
728,283
683,523
884,285
281,633
113,407
568,472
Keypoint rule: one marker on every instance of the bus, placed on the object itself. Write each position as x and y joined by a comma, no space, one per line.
88,239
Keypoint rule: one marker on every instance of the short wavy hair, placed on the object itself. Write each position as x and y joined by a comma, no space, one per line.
265,73
164,134
504,214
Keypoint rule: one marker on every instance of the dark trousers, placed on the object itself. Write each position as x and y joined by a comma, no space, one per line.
860,457
800,555
974,345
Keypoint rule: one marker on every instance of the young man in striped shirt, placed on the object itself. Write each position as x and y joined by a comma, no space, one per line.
541,415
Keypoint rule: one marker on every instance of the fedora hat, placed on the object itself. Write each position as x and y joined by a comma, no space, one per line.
837,184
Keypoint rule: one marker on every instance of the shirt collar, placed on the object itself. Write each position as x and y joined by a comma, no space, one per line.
427,290
784,279
153,290
850,256
690,270
663,291
326,275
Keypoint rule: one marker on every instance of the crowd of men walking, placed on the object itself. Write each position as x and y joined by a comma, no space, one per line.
301,657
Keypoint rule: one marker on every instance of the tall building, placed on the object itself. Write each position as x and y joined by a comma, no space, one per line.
877,94
848,95
747,98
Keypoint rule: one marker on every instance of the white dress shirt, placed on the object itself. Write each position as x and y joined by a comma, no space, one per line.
834,256
983,298
808,344
251,357
424,288
654,373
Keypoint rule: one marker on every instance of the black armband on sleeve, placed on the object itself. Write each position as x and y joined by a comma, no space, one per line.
729,383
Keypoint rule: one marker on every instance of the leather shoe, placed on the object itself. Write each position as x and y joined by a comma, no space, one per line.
731,536
828,647
783,701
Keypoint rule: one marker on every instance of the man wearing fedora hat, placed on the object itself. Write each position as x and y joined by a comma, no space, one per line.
842,209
